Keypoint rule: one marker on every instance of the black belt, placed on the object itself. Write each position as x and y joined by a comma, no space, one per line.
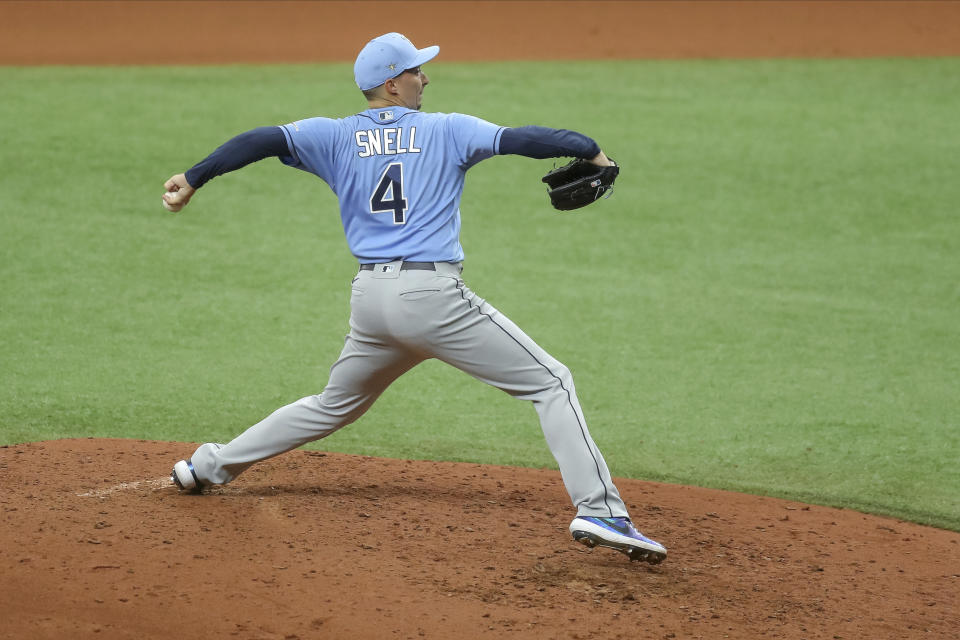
406,266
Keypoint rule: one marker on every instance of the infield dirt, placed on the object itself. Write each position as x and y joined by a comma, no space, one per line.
197,32
96,543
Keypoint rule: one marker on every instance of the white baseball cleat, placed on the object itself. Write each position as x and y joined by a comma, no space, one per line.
619,534
185,477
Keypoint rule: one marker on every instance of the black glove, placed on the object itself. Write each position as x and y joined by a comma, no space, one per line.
578,183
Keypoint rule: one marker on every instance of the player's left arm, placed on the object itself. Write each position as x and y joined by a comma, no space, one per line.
544,142
238,152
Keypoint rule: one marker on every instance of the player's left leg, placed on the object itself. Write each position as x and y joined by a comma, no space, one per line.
368,364
357,379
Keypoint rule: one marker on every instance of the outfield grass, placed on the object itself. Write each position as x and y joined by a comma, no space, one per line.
770,302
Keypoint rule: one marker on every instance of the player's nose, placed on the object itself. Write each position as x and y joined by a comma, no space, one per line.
424,78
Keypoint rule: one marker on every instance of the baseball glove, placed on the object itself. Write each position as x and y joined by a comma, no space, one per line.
578,183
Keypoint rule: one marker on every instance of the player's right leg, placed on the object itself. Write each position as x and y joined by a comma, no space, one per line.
457,326
618,534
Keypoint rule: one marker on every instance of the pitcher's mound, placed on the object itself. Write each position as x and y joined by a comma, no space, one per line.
96,543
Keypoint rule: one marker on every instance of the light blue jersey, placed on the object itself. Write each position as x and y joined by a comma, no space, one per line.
398,174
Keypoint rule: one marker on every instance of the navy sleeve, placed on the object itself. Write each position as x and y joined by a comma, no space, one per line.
256,144
544,142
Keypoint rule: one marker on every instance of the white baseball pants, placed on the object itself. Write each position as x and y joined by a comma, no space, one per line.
400,318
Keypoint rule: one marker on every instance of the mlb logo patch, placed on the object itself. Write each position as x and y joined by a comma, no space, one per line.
386,115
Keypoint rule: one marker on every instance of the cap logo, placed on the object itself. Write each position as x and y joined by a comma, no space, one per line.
393,67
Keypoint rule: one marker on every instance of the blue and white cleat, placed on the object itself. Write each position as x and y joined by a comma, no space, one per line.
619,534
186,478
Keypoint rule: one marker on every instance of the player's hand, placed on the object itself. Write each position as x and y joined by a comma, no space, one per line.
601,160
178,193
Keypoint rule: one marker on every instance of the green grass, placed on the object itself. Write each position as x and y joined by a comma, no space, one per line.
768,303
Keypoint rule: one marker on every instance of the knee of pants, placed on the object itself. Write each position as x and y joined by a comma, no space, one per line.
561,379
331,413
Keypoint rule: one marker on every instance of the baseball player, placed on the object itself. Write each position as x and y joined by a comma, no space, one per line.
399,174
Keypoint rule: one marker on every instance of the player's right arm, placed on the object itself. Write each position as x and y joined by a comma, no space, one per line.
544,142
238,152
477,139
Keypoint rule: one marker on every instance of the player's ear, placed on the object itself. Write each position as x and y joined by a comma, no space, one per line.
391,87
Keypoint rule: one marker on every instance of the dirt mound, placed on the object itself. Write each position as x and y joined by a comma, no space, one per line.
97,544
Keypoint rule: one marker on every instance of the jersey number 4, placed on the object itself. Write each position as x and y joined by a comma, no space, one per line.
388,196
